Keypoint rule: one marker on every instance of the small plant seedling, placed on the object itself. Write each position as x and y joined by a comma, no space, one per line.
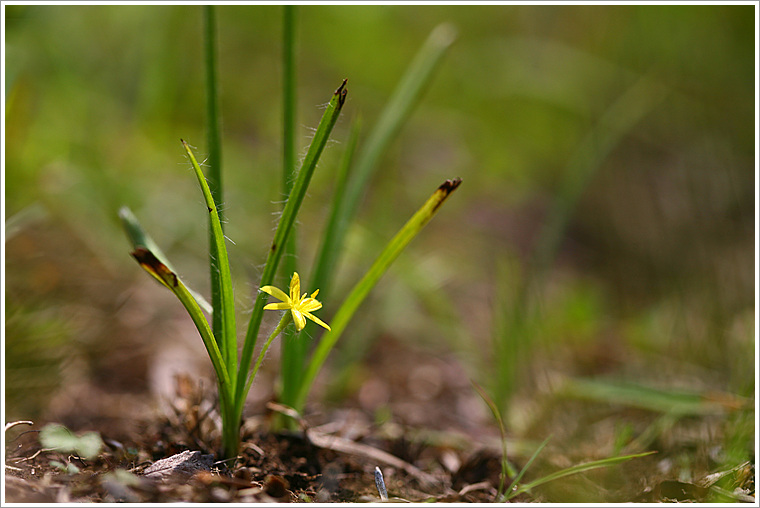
57,437
234,373
234,377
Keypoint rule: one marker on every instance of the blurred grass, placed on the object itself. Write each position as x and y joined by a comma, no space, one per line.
652,277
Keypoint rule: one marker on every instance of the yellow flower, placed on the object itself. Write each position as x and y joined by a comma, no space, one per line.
299,306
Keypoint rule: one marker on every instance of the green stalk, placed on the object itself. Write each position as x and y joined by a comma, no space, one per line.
637,101
214,139
330,116
406,96
292,356
287,317
514,317
214,177
363,287
289,98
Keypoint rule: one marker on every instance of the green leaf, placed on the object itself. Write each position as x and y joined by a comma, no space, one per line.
511,492
401,104
674,402
502,430
363,287
151,264
59,438
228,339
580,468
282,232
139,238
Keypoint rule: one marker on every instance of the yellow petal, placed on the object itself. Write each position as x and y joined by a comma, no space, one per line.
315,293
276,292
309,305
317,320
278,306
298,319
295,286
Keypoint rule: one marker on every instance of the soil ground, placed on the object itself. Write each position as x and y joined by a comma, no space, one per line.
411,411
442,457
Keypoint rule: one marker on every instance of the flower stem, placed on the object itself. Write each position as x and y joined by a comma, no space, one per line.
285,321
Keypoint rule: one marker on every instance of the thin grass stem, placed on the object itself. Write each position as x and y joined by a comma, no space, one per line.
502,430
511,492
284,321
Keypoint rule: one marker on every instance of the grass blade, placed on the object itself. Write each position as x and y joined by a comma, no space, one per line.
289,97
287,219
226,335
363,287
230,426
511,492
151,264
338,220
406,96
139,238
497,415
580,468
213,131
615,123
673,402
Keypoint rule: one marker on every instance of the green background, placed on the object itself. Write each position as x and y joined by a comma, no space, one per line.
607,156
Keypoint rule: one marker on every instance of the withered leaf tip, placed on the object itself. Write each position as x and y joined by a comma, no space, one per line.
341,93
152,264
450,185
446,188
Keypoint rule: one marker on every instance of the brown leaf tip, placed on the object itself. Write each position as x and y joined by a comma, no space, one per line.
152,264
342,92
144,256
446,188
450,186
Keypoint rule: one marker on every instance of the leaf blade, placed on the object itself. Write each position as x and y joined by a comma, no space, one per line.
227,340
297,194
362,288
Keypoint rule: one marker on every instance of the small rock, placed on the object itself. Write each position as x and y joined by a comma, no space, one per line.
183,464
